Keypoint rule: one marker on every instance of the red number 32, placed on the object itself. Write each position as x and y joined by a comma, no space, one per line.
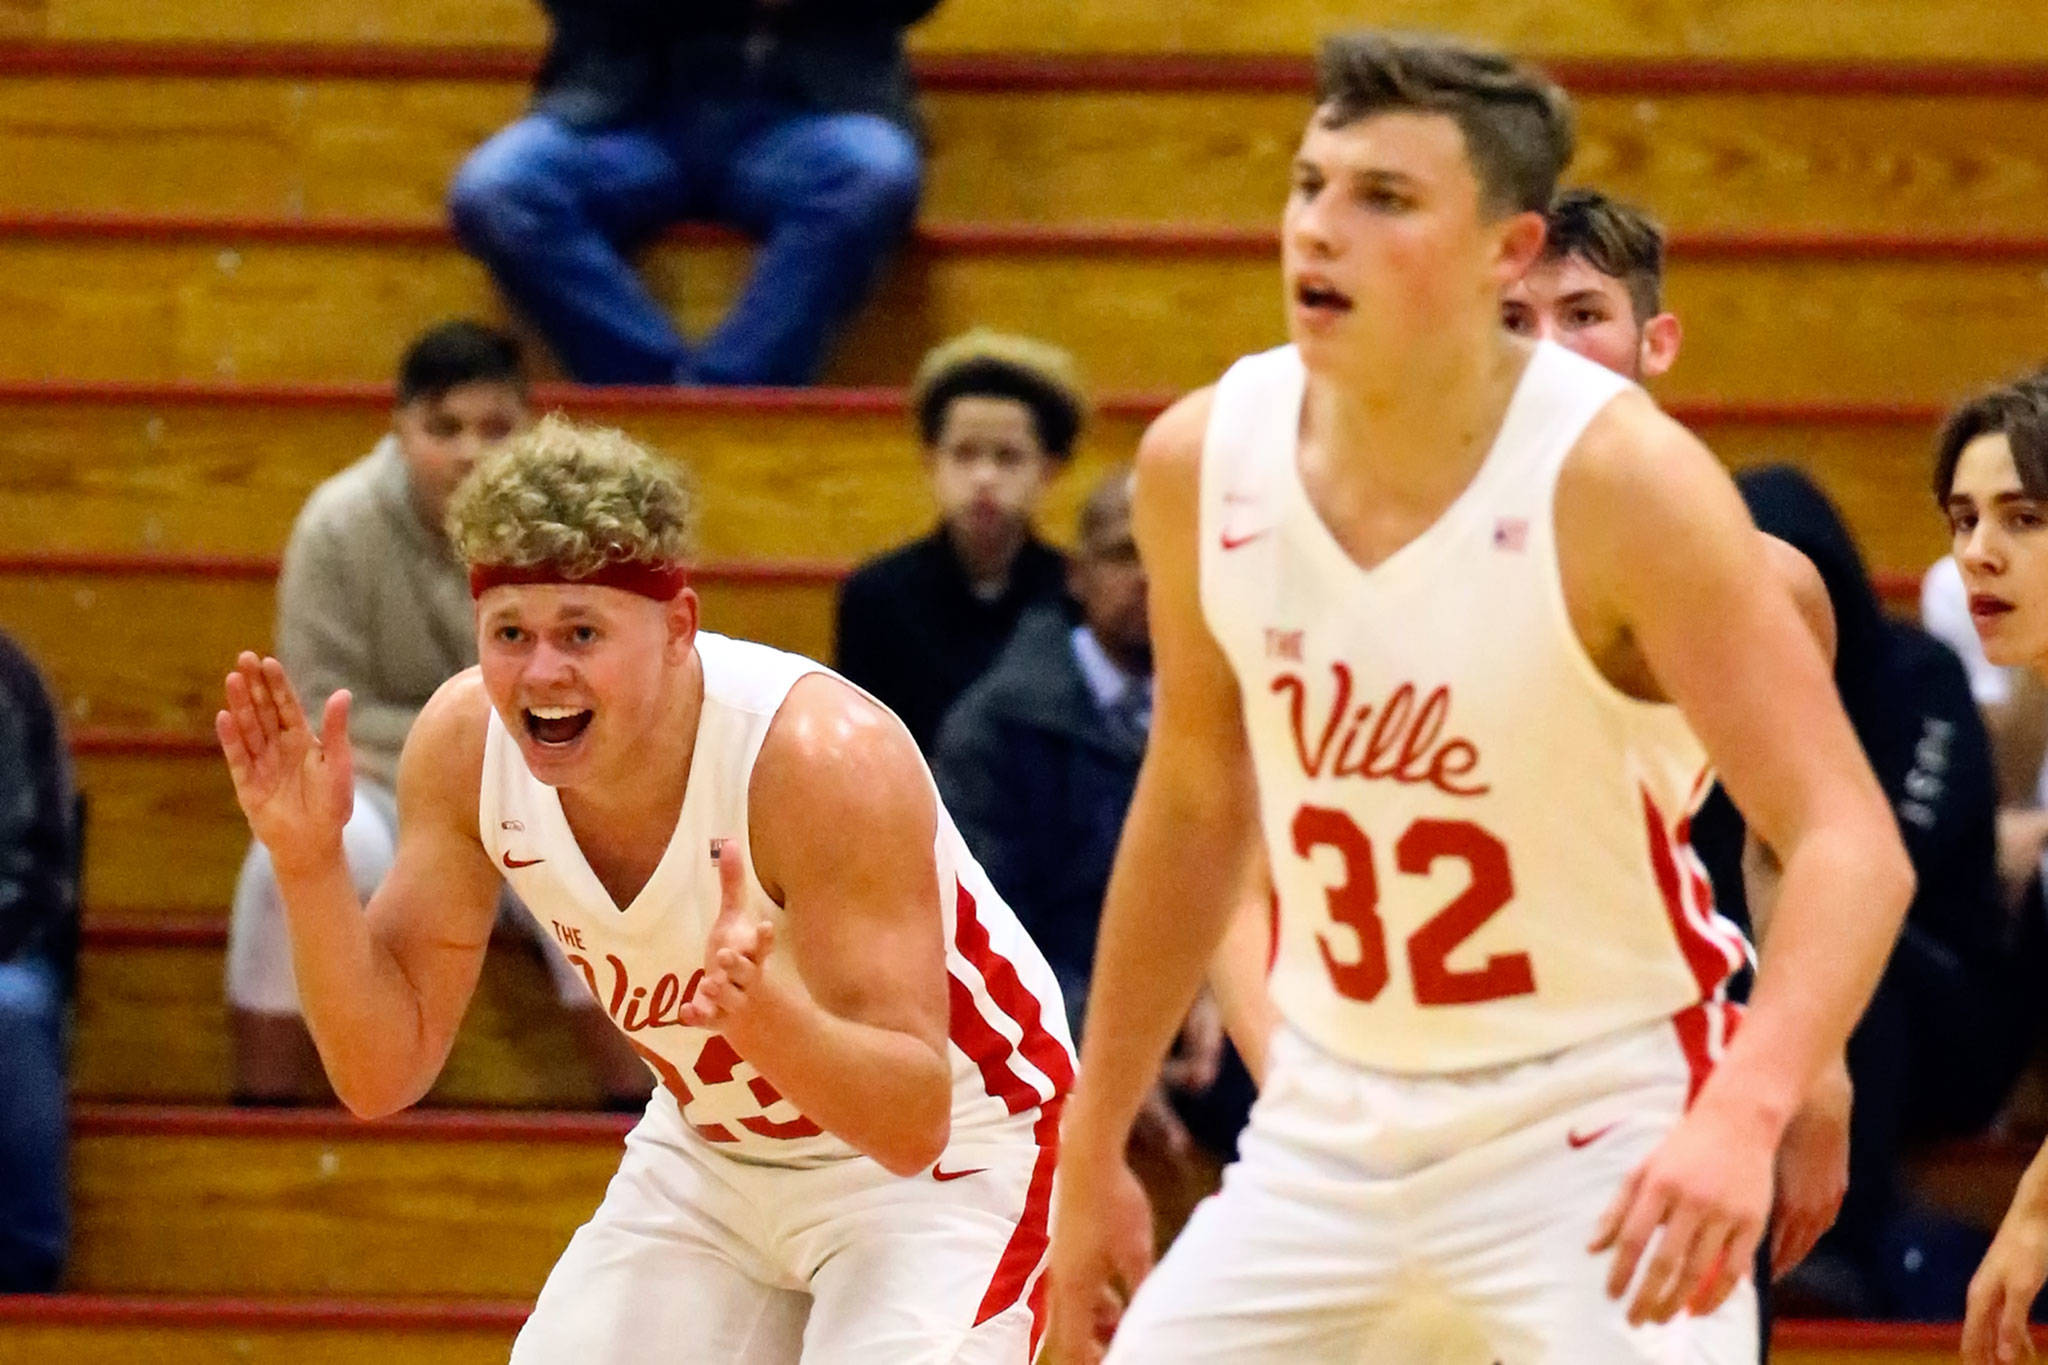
1354,903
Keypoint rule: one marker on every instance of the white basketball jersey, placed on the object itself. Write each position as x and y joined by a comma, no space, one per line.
1010,1050
1479,846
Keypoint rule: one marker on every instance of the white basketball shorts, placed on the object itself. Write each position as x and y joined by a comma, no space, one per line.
1401,1220
694,1256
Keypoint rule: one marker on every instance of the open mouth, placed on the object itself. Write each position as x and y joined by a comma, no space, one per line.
557,725
1318,297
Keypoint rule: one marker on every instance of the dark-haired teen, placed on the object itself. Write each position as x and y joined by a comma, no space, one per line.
998,417
1991,478
371,599
1458,627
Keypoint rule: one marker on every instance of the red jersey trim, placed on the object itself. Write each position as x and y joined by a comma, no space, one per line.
1707,952
974,1035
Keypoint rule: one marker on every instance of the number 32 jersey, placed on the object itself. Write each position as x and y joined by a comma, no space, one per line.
1478,845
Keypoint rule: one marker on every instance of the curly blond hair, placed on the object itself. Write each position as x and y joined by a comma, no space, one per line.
574,498
983,362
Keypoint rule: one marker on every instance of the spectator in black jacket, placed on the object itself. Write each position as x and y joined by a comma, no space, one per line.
792,120
998,416
1950,1026
38,943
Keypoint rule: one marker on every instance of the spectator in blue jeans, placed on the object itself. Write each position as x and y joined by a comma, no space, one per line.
792,120
38,947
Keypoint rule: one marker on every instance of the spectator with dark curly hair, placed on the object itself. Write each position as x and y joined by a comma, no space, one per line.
998,416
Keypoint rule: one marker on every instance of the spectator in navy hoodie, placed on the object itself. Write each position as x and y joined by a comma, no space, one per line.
794,121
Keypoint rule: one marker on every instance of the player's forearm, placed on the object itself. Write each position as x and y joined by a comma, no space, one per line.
2030,1200
1841,899
1168,904
884,1092
362,1012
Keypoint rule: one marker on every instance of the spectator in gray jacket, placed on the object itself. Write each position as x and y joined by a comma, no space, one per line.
372,599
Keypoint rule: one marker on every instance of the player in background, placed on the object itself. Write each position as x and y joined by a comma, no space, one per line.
1991,478
1425,595
745,857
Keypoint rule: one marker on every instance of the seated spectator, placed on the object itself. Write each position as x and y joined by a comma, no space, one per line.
998,416
38,950
792,120
1037,762
373,599
1951,1023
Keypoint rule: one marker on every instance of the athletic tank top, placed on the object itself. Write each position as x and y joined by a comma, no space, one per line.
1009,1046
1479,846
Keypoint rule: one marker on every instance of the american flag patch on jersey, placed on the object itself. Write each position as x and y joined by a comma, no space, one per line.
1511,534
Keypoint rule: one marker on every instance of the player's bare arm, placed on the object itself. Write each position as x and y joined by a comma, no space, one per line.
2003,1290
384,986
1182,858
847,1015
1658,558
1237,973
1813,1157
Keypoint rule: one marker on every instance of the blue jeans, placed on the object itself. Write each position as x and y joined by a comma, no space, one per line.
34,1217
553,210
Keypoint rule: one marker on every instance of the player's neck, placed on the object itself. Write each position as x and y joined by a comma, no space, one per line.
1420,424
649,798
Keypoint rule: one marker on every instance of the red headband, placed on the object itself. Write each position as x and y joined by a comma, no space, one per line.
658,580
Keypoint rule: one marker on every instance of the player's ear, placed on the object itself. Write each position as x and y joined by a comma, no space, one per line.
1662,336
680,615
1519,238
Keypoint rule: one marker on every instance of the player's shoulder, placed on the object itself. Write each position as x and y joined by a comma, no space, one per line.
835,763
451,728
1175,435
1169,458
1632,453
1797,574
823,720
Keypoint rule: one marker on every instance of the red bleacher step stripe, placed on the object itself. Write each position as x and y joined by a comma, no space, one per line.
1080,71
1010,238
141,1120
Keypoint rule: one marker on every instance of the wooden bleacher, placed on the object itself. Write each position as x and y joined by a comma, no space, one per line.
100,133
1861,320
219,218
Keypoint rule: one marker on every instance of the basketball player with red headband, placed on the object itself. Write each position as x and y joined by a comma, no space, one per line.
862,1056
1460,627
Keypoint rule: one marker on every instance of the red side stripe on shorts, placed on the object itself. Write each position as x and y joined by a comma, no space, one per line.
1026,1248
1697,1027
1706,957
979,1039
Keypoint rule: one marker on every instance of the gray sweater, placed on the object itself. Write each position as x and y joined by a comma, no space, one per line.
373,600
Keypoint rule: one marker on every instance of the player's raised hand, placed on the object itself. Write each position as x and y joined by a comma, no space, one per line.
1101,1250
735,956
296,787
1702,1196
2003,1290
1813,1169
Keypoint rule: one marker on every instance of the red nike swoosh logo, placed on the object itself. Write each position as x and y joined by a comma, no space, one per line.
1231,542
516,863
1577,1139
941,1174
